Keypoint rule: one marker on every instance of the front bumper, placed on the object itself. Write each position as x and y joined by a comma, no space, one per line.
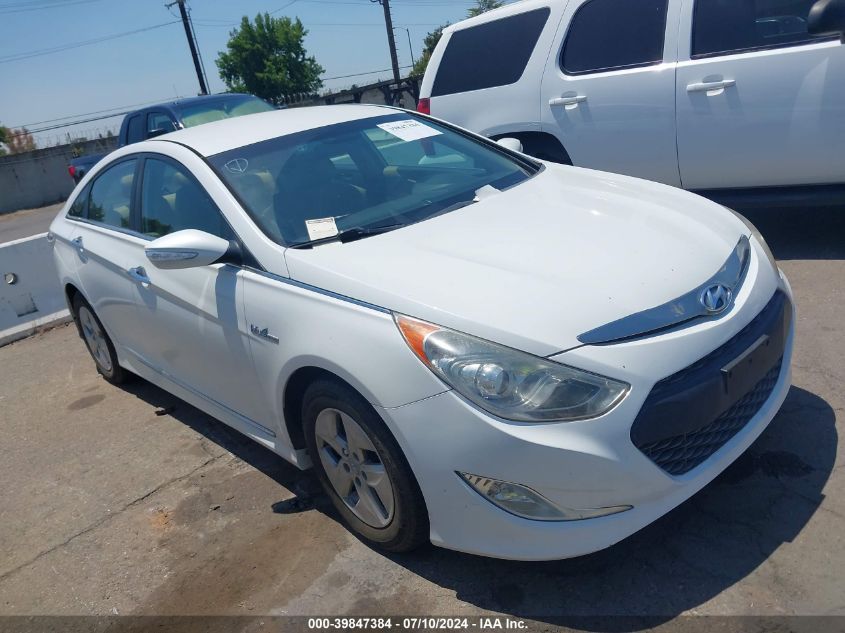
589,464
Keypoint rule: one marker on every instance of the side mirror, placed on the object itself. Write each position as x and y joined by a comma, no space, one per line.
187,249
513,144
827,18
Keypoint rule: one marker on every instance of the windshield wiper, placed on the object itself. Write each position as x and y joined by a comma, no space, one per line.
350,235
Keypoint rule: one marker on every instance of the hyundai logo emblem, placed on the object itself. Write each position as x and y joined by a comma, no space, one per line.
716,298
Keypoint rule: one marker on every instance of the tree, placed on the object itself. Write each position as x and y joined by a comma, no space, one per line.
19,141
483,6
429,44
4,138
268,59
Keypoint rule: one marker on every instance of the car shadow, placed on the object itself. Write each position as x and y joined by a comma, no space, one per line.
302,484
692,554
684,559
796,233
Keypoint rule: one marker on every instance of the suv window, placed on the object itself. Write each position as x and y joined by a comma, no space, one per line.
171,200
135,129
159,121
489,55
110,201
722,26
613,34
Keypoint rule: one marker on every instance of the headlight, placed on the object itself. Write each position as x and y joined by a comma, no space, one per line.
755,233
508,383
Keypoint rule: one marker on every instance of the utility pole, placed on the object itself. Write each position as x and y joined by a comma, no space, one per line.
186,22
410,46
388,20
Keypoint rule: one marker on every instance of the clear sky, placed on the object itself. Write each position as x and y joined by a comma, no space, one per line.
346,37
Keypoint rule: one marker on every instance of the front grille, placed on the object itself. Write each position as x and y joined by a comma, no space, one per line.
680,454
691,414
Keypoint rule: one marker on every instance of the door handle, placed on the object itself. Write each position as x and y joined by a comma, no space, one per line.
567,101
707,86
77,243
139,274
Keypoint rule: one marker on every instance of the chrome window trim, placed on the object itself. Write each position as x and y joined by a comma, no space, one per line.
110,227
685,308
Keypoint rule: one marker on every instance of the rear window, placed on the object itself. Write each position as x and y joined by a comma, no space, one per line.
611,34
217,110
489,55
135,130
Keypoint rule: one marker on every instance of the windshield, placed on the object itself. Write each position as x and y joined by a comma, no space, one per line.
227,107
381,172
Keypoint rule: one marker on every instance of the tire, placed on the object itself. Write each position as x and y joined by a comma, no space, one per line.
334,415
97,341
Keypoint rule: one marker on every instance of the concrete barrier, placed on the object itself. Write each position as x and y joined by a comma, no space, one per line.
31,296
38,178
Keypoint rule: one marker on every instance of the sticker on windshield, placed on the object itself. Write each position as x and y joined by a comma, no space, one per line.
409,130
237,165
321,228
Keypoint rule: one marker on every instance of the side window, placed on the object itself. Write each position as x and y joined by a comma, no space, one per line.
159,121
723,26
111,196
135,129
489,55
612,34
172,200
80,205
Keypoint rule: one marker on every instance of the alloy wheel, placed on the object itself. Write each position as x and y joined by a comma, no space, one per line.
354,468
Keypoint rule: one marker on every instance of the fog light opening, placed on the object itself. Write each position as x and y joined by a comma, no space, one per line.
524,502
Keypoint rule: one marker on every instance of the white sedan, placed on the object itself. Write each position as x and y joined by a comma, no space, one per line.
472,347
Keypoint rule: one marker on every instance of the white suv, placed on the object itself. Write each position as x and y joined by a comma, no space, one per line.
731,98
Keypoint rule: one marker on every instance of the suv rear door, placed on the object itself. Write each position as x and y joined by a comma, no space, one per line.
759,100
608,93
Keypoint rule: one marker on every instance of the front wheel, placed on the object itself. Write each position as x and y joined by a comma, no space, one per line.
362,468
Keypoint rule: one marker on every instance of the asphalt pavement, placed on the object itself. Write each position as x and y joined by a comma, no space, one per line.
130,501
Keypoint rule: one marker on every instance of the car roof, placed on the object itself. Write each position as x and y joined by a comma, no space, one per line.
221,136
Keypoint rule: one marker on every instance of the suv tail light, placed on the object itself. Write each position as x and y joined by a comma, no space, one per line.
72,171
424,106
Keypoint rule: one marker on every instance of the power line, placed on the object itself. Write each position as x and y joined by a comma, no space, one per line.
65,47
371,72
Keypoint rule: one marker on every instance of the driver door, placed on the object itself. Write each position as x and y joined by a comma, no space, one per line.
189,324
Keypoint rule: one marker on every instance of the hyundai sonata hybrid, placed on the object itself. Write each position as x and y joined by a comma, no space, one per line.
470,346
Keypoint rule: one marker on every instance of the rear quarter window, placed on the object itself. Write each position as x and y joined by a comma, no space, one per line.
489,55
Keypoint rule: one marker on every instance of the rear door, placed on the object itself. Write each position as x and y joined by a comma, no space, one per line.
608,93
102,238
760,102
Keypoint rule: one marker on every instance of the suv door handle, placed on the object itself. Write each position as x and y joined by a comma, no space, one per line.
139,274
77,242
707,86
567,101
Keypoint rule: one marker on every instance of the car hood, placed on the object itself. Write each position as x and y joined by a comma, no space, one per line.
536,265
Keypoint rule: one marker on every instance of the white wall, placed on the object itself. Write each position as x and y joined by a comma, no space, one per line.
36,298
